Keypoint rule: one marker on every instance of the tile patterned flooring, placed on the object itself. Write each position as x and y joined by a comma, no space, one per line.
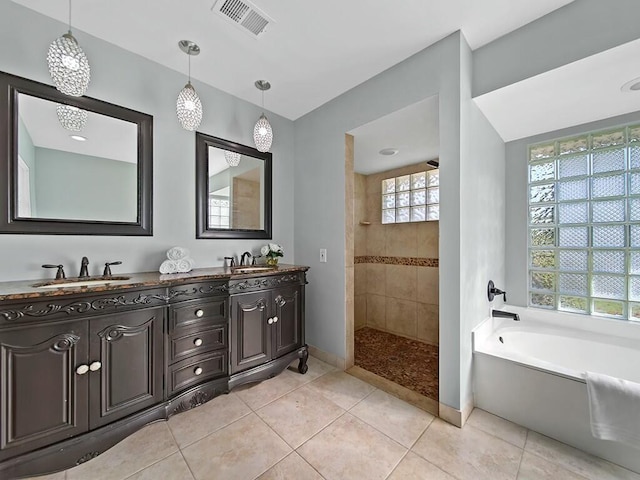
329,425
407,362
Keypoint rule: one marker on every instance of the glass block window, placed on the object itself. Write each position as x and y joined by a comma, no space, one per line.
413,198
584,224
218,211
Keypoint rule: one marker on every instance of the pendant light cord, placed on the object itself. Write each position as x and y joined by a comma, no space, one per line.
69,16
189,55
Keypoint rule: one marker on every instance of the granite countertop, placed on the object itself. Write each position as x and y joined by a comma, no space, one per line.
24,289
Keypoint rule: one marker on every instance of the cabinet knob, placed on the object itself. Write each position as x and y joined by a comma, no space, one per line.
95,366
197,370
197,342
199,313
82,369
275,319
270,320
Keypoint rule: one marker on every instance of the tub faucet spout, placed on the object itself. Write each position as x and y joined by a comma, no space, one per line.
501,314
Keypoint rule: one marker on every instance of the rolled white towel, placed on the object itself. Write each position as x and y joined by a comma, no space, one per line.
177,253
168,266
184,265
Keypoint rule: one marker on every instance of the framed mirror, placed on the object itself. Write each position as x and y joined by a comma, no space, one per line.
233,190
72,165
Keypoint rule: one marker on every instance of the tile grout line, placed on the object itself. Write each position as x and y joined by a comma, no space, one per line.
526,439
521,456
166,422
286,393
180,452
215,431
495,436
280,437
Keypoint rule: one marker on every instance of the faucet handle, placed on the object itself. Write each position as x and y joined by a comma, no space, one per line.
492,292
232,261
253,261
107,268
60,273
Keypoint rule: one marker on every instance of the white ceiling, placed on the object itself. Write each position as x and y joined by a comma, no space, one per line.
577,93
106,137
312,52
413,131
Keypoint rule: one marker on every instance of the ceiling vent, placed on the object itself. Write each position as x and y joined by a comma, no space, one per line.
244,15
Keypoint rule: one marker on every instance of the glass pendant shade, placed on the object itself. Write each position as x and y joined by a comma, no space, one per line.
72,118
68,66
189,108
262,134
232,158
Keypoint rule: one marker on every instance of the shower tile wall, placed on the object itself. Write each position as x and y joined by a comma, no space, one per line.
397,298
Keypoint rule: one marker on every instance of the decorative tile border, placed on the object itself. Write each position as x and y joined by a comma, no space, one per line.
409,261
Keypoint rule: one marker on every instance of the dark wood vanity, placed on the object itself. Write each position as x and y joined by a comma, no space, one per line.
84,367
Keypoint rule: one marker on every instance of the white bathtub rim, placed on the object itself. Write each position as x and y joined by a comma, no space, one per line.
610,327
485,337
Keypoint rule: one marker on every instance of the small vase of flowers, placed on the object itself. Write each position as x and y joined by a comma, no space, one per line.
271,252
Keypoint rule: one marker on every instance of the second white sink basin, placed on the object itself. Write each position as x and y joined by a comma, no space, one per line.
252,269
63,283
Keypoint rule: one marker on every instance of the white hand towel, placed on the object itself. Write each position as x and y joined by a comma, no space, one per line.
168,266
184,265
614,405
177,253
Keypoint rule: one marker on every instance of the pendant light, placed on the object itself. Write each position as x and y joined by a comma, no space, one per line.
232,158
262,133
188,105
68,65
71,118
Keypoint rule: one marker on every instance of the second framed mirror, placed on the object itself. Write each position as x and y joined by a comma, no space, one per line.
233,190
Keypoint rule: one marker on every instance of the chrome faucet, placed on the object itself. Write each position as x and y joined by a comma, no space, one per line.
84,271
246,255
500,314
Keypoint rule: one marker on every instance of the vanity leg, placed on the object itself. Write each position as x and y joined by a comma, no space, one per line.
303,354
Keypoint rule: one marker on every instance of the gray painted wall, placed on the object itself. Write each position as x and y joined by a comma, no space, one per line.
126,79
482,219
320,199
516,212
70,185
575,31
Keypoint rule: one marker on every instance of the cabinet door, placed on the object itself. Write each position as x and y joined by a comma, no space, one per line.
287,305
250,332
42,398
126,361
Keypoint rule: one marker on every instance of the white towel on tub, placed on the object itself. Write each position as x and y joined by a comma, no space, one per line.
614,405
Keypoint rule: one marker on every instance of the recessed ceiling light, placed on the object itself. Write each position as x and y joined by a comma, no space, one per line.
388,151
631,86
79,138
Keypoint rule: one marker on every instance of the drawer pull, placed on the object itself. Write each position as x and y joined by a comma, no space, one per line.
197,342
82,369
270,320
95,366
199,313
275,319
197,370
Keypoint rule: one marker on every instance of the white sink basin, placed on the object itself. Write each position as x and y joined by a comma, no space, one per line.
252,269
63,283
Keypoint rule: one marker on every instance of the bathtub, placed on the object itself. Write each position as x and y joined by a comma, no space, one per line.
532,373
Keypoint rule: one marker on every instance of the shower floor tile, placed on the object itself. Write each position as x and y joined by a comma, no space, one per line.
407,362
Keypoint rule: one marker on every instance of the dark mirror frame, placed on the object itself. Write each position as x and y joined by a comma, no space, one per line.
10,87
203,142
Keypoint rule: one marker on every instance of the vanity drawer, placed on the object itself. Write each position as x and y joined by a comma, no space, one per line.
199,341
196,370
198,313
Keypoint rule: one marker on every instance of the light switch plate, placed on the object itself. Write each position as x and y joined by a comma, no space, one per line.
323,255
